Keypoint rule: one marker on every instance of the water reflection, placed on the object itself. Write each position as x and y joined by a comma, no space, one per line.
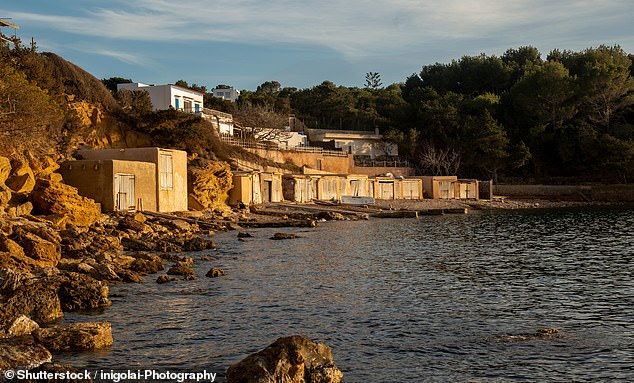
401,300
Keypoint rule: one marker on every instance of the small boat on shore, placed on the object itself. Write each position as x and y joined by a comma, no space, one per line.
357,200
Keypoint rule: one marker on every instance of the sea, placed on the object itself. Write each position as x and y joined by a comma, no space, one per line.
451,298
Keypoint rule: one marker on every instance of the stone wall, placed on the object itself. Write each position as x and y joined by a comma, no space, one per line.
329,163
376,171
602,193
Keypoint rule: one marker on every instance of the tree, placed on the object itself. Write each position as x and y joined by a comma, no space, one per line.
373,80
545,95
443,162
111,83
135,102
29,117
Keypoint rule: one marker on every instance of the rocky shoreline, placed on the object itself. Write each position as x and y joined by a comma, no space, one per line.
65,258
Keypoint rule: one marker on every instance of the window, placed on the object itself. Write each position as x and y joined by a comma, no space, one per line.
176,103
197,108
166,172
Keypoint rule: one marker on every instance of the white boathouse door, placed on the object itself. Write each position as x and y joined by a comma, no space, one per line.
124,191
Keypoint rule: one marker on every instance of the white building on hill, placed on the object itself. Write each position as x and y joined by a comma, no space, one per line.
169,96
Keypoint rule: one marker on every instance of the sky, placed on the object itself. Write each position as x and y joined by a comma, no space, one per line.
300,43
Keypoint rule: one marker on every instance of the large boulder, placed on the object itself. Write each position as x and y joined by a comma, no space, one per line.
52,198
82,292
5,169
22,353
208,184
76,337
43,252
32,296
21,179
292,359
43,167
21,326
5,196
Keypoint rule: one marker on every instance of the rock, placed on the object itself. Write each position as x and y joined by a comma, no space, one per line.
22,353
44,167
130,223
145,266
5,196
104,272
137,244
82,292
12,256
129,276
22,326
292,359
165,279
40,250
25,294
244,235
21,179
57,198
76,337
20,209
176,224
214,273
208,184
5,169
181,268
198,244
539,334
330,216
279,236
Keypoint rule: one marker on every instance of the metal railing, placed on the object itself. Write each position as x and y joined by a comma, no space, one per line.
377,163
213,112
267,145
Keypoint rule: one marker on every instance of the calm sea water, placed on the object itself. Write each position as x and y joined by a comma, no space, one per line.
400,300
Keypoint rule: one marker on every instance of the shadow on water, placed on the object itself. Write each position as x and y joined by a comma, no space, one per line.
400,300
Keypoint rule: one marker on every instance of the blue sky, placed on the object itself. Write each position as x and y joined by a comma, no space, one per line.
302,43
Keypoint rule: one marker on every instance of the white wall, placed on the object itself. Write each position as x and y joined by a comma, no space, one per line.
164,96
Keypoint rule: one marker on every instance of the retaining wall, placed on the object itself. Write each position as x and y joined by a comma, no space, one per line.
602,193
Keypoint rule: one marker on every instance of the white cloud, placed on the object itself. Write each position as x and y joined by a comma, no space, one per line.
352,27
121,56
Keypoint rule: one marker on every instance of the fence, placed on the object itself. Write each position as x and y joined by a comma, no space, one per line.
369,163
252,144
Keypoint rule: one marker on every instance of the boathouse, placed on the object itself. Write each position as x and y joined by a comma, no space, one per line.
120,180
116,185
468,189
440,187
255,188
300,188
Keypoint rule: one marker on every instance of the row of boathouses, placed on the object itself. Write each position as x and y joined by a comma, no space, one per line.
155,179
262,187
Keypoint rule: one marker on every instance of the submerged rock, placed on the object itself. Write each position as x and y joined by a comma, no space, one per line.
76,337
214,273
539,334
182,268
279,236
165,279
198,244
292,359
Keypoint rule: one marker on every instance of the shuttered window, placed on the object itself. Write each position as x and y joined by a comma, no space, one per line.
166,172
